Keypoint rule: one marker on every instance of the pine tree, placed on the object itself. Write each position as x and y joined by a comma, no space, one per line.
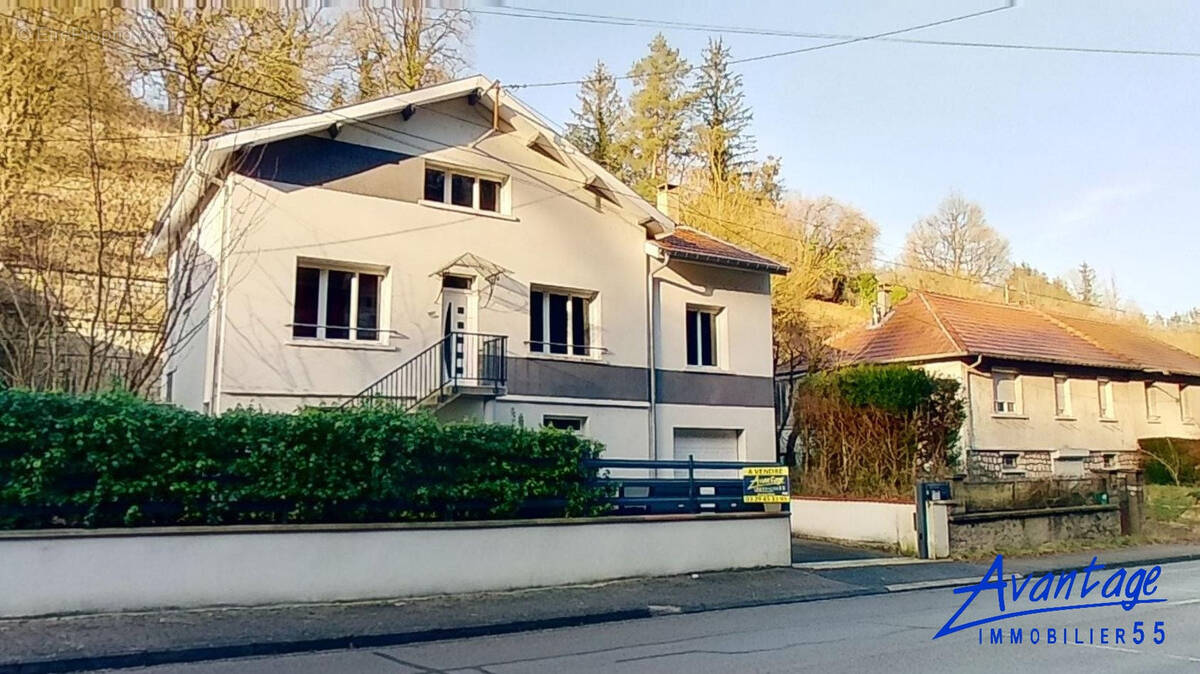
598,120
1086,288
722,138
659,108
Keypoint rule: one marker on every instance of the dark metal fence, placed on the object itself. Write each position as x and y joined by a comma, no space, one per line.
671,487
457,361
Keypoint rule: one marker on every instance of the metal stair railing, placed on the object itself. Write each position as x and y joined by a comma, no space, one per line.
455,362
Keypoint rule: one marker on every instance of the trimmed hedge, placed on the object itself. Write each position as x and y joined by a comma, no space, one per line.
115,460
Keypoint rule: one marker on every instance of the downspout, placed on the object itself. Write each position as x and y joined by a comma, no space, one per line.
970,408
650,344
218,351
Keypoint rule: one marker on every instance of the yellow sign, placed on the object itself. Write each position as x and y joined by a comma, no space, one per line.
765,484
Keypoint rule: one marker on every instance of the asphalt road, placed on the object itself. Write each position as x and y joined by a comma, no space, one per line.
882,633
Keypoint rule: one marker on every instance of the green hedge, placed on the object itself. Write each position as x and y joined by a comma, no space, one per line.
115,460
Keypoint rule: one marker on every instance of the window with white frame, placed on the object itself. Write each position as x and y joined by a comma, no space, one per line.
560,321
1104,391
1005,390
564,423
1187,403
463,188
336,303
702,335
1062,396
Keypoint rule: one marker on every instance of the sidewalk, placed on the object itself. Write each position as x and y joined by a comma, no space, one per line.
135,639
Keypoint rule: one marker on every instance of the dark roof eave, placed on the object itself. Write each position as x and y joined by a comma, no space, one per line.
722,261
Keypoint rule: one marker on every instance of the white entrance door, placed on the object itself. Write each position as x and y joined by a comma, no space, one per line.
707,444
459,354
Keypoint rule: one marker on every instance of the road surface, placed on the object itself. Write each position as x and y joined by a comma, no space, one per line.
880,633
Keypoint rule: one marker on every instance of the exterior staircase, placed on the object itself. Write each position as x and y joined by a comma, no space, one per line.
461,363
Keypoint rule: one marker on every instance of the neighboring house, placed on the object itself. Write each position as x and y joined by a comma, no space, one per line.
436,250
1046,394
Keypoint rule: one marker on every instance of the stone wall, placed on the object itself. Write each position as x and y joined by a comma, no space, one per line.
986,533
1040,463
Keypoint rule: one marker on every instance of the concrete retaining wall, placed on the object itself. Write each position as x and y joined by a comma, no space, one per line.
130,569
860,521
986,532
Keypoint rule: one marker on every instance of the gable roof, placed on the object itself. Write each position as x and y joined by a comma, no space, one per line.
693,245
929,326
210,154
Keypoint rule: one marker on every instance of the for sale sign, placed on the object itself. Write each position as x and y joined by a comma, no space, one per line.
765,484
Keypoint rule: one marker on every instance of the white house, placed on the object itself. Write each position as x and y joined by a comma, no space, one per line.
446,249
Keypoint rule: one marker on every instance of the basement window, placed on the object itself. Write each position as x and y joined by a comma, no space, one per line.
564,423
336,303
463,189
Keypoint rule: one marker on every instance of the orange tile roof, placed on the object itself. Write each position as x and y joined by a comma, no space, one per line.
927,326
686,243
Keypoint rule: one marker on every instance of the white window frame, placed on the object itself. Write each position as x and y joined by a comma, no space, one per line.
1104,398
324,267
1062,408
1187,402
592,349
448,172
1016,401
1015,469
717,338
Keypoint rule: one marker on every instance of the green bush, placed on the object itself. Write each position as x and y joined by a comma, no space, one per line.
1170,460
113,459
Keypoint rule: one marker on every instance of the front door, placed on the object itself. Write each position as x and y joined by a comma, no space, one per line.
457,325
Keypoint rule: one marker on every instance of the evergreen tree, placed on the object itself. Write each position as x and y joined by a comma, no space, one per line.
598,120
659,108
722,139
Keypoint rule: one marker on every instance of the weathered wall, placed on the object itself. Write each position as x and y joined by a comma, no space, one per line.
986,533
132,569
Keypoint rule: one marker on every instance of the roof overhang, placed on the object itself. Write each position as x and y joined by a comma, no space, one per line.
211,155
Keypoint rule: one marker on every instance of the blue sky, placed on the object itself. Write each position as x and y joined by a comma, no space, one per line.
1072,156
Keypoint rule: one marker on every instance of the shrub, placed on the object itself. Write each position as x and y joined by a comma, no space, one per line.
112,459
871,431
1170,460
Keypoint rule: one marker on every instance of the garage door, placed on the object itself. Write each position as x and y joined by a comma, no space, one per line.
707,444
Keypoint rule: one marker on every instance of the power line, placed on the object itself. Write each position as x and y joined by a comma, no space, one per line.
605,19
790,52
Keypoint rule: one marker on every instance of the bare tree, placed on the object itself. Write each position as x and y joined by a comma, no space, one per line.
222,68
402,46
958,241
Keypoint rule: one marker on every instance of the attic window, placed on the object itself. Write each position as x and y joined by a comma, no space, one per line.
464,189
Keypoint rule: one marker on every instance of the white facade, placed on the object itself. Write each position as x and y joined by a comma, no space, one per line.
349,209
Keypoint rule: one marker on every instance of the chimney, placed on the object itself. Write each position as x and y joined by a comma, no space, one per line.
667,200
883,305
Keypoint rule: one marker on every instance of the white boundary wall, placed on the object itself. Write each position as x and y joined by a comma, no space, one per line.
131,569
859,521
